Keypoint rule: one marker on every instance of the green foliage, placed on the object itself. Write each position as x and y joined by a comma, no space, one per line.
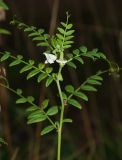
88,85
56,52
63,38
29,67
82,52
35,34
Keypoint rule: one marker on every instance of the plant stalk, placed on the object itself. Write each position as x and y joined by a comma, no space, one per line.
61,121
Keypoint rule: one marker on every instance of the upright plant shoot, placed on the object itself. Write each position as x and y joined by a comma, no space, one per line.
56,52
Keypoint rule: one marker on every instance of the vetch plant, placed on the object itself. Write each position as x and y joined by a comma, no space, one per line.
56,53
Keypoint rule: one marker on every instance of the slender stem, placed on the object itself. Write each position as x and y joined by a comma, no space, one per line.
61,121
61,114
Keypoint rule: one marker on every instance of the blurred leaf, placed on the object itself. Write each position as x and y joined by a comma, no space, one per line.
36,119
45,103
19,91
88,88
15,62
21,100
52,111
94,82
61,30
30,99
66,46
64,95
69,88
32,74
32,108
68,38
102,55
43,44
69,26
67,120
26,68
79,59
31,61
74,103
64,24
49,69
41,77
36,116
76,51
4,31
59,36
41,66
83,49
49,81
39,38
5,56
97,77
71,64
81,95
47,129
70,32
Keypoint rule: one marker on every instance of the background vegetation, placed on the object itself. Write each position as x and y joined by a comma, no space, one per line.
97,130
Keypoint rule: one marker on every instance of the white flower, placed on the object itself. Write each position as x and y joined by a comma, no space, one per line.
50,58
62,62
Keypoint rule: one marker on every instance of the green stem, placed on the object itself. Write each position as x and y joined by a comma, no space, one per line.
61,115
61,121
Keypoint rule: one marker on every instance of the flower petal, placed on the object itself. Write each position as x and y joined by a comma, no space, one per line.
63,62
50,58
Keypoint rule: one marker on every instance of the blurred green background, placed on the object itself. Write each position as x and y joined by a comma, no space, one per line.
96,132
